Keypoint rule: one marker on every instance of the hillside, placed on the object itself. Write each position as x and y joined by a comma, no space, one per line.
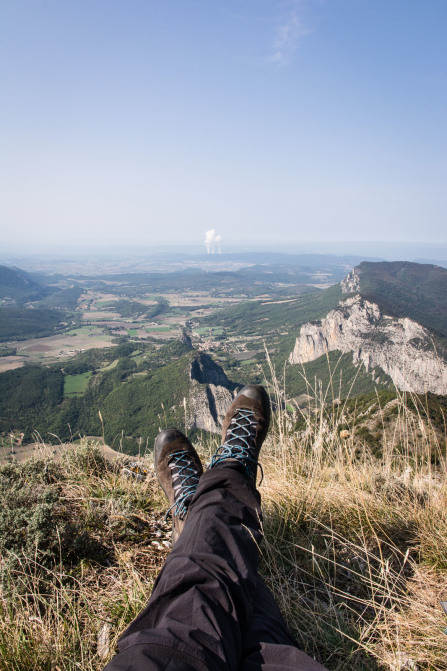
354,494
18,323
17,285
264,318
402,289
386,322
383,325
29,309
124,394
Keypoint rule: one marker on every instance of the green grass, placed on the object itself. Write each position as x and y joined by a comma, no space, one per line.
132,332
158,329
75,385
97,318
102,304
110,366
138,357
209,330
83,330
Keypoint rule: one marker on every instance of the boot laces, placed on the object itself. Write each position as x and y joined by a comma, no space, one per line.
185,479
240,443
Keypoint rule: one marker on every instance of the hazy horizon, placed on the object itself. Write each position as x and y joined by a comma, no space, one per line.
371,250
275,122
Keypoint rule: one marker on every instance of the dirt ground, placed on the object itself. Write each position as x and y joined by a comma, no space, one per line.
10,363
40,450
53,348
99,315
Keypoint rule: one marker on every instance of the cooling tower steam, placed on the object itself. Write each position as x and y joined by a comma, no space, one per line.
212,241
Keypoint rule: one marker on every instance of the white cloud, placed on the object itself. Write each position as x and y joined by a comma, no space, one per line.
288,36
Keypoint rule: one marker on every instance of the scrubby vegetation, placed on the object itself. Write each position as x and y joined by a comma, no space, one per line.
80,546
120,383
355,545
65,299
264,318
18,323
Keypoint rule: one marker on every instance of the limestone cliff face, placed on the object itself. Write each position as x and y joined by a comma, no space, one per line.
210,394
402,348
351,283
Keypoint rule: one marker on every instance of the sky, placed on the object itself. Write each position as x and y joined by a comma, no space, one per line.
144,122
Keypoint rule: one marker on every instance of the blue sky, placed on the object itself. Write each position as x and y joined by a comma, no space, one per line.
151,121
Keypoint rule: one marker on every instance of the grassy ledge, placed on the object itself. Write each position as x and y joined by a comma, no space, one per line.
355,547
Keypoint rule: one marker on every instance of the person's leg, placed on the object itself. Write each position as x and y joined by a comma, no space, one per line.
208,609
202,599
203,596
267,644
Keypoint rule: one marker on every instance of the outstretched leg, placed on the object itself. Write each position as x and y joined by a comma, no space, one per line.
268,645
205,612
202,599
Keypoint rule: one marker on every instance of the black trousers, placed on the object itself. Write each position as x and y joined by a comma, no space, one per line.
209,609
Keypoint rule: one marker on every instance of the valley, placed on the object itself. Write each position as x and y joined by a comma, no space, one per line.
133,352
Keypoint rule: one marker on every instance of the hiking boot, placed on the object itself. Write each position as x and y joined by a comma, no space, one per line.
244,428
178,469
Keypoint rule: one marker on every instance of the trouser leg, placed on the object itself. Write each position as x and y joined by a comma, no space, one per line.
267,643
202,600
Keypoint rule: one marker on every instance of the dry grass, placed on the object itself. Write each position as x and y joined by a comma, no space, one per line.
355,546
67,611
355,551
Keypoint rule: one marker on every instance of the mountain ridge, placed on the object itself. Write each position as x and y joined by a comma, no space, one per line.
383,332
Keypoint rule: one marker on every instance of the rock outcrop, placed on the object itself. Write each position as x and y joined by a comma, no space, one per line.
351,283
402,348
211,392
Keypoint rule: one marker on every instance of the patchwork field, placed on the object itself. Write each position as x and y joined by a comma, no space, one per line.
55,348
100,323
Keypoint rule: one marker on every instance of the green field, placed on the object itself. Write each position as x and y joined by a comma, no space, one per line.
75,385
157,329
102,304
207,330
83,330
110,365
98,318
132,332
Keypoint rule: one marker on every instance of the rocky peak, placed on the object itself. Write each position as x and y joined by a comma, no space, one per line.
185,339
206,371
351,283
402,348
211,392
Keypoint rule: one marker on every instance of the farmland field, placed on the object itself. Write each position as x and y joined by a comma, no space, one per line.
100,324
74,385
158,329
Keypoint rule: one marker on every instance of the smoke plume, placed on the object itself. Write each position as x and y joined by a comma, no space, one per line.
212,241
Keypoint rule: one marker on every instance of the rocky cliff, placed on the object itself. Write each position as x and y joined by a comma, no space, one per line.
211,392
402,348
351,283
